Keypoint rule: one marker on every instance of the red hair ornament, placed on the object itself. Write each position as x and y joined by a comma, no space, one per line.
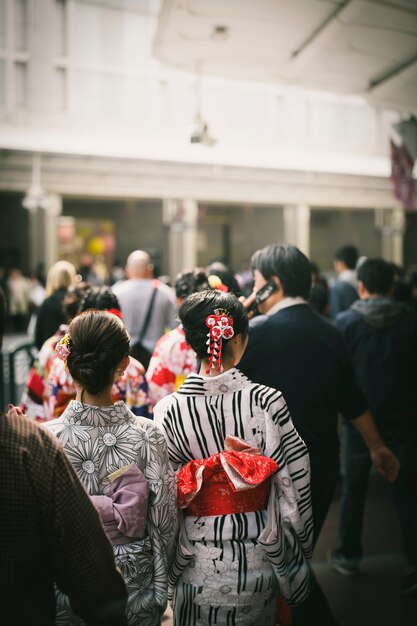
220,326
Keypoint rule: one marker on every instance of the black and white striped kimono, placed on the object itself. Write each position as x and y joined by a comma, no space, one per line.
229,568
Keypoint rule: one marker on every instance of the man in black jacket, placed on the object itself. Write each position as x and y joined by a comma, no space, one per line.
381,337
293,349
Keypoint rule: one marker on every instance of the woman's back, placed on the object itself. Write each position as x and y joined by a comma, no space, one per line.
122,460
100,440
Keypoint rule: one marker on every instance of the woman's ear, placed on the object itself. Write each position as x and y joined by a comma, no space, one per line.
123,364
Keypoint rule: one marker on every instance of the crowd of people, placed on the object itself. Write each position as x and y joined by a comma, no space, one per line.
187,444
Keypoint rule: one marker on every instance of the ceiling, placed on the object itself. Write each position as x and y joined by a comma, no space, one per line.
365,47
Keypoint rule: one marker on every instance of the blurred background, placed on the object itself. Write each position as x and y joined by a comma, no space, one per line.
203,129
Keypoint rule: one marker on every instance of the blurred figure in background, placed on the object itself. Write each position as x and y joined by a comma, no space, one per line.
381,338
34,400
51,314
412,280
19,288
344,291
148,306
319,292
227,277
401,289
131,387
173,359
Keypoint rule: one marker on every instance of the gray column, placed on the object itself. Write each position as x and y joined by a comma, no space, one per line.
297,226
391,223
180,217
53,210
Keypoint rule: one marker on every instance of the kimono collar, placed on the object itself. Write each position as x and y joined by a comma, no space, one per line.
227,382
87,414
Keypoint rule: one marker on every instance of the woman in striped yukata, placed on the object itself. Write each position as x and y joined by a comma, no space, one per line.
243,480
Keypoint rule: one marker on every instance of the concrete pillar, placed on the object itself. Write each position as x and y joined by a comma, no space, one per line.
180,217
53,210
36,232
391,223
297,226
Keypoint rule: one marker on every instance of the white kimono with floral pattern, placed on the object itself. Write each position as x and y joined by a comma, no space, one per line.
98,441
228,569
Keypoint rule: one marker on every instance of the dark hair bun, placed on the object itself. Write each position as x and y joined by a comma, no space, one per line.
99,341
196,308
187,283
101,298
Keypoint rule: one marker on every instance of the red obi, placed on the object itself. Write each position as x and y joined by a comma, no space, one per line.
225,483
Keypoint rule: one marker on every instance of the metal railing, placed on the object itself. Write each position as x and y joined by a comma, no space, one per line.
14,371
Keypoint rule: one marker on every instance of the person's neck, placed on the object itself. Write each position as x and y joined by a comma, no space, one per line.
100,399
227,364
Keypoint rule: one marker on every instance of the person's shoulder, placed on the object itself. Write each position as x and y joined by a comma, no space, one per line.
20,431
161,407
164,289
263,394
121,287
152,429
347,318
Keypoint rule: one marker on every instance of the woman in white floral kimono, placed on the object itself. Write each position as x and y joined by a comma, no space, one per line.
122,460
243,482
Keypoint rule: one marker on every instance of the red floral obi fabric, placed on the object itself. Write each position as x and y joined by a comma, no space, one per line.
225,483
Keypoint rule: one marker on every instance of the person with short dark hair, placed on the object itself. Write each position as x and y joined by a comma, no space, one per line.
121,459
173,359
243,479
344,292
293,349
381,337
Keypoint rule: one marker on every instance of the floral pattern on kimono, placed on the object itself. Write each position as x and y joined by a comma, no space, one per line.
98,441
171,362
132,389
33,402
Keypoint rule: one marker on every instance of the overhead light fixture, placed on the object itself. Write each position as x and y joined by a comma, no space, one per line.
200,130
220,32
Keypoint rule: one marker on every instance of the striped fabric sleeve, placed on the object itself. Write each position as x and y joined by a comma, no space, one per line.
285,446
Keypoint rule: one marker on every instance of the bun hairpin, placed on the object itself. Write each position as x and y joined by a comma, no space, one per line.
220,326
62,348
215,282
115,312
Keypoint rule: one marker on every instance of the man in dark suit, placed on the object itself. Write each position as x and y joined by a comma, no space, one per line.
293,349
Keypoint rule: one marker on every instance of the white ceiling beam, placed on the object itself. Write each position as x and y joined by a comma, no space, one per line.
402,69
315,39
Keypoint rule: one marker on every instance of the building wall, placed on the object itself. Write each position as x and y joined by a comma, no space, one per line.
137,225
330,229
79,85
80,74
